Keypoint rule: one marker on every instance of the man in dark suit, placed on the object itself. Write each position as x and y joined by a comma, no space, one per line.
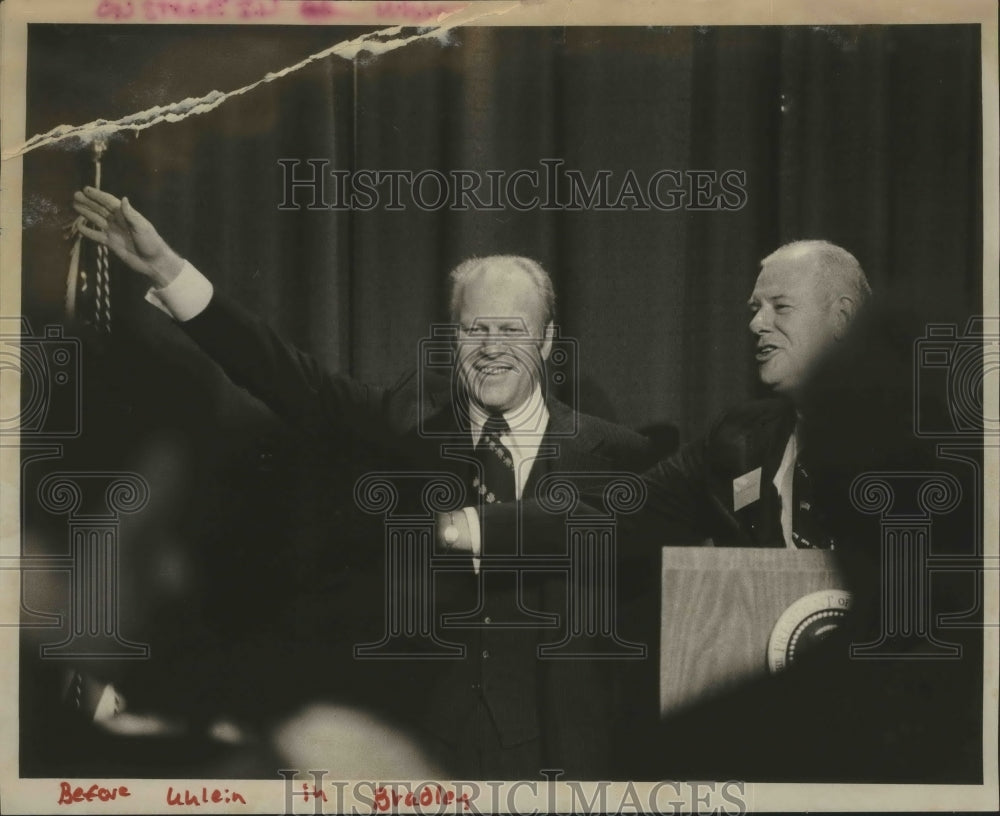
499,712
745,483
778,473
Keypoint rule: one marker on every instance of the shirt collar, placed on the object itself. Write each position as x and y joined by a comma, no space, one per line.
526,420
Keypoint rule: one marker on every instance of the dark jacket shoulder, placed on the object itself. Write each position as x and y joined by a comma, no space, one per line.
616,441
754,414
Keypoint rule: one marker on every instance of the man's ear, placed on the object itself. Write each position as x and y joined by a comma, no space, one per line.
844,309
550,332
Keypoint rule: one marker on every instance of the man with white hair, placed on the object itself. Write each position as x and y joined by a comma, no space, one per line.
746,483
499,711
806,295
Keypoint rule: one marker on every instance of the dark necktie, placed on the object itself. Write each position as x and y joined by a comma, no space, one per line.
808,529
495,480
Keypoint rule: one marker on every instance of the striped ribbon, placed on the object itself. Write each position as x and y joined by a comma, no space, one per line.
77,279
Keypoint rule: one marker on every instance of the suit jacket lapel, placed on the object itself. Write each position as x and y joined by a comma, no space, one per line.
571,445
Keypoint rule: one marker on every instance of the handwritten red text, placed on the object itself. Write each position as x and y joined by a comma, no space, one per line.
206,796
426,796
413,11
159,10
68,795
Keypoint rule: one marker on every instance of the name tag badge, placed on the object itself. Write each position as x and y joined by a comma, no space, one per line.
746,489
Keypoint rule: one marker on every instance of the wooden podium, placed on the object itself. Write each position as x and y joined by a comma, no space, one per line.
720,606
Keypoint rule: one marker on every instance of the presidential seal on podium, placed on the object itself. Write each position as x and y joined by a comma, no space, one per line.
732,614
804,624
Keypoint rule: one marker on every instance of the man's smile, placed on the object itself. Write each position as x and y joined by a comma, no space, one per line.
494,368
765,351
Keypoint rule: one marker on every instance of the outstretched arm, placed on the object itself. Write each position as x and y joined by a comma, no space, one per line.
674,514
291,383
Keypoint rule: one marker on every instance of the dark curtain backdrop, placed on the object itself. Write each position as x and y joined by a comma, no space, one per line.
867,136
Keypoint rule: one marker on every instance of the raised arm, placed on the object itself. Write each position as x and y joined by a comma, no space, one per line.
291,383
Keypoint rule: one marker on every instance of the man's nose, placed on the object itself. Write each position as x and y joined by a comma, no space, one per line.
759,322
492,341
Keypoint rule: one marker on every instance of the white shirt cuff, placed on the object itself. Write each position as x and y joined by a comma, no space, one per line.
186,296
472,519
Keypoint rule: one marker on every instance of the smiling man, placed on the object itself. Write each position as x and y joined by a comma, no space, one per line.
806,296
498,712
498,303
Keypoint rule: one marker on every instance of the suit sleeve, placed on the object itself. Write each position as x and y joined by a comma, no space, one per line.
673,513
292,384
